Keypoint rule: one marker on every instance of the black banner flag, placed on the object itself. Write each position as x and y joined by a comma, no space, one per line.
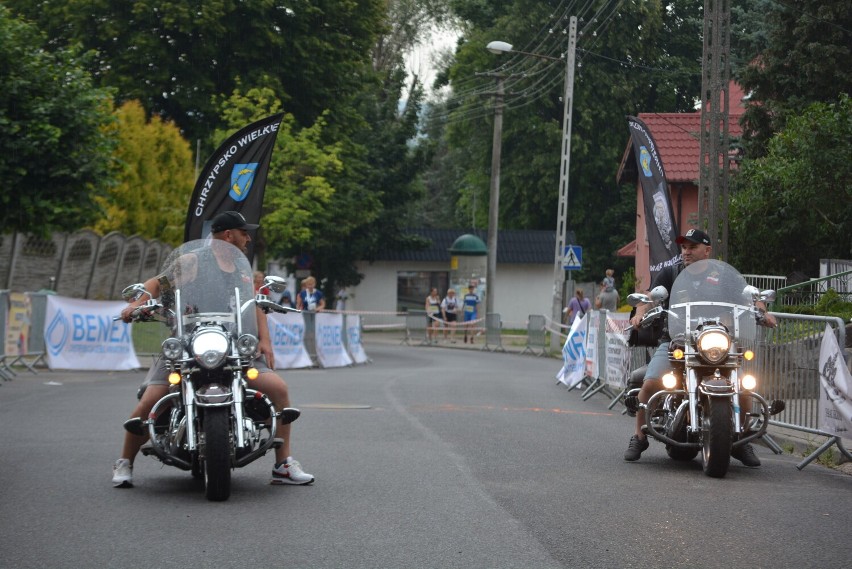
660,224
233,178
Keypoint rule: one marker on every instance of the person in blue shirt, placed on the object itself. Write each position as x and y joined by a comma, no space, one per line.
470,304
310,298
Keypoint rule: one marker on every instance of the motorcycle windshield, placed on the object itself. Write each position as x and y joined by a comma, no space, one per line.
711,290
211,277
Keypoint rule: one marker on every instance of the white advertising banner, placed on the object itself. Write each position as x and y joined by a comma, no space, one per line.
81,334
617,350
329,337
574,354
835,395
353,338
592,336
287,331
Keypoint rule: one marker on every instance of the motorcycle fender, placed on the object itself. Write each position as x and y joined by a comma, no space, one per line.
716,387
213,395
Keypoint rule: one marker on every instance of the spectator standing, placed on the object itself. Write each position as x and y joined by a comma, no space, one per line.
287,300
607,297
433,311
578,307
449,310
470,304
310,298
340,300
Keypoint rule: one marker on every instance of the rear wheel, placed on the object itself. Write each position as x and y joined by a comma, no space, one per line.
217,454
716,431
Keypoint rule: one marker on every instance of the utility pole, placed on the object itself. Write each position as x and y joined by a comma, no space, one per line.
713,192
564,166
494,195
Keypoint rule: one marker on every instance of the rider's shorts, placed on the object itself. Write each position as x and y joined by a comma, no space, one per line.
659,364
158,374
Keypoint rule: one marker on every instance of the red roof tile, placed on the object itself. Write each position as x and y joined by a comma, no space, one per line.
677,137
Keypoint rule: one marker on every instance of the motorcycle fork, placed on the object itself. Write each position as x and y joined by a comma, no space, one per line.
735,403
189,403
691,378
239,399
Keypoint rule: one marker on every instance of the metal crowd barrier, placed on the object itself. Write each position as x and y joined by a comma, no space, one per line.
788,363
493,333
311,334
536,335
416,325
6,372
34,352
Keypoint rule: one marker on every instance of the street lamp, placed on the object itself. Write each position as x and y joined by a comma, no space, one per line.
562,213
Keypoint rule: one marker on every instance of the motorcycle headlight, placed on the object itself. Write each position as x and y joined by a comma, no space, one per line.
247,345
713,346
172,349
210,348
749,382
669,381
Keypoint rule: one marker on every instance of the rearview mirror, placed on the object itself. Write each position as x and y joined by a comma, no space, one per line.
275,284
637,298
134,291
659,293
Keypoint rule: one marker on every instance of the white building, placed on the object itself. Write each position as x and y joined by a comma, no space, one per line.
401,280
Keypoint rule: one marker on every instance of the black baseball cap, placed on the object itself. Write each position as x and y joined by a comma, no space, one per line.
231,220
695,236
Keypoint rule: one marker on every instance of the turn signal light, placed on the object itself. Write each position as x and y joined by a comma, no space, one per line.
252,373
174,378
677,354
748,355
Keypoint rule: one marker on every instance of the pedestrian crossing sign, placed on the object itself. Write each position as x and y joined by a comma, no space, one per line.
572,258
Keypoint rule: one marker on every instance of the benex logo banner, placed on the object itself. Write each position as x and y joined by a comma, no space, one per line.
81,334
234,177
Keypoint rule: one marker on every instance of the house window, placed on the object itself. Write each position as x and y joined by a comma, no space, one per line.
412,288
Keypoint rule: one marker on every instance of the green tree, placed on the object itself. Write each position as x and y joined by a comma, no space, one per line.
55,149
154,178
793,206
175,56
806,49
640,57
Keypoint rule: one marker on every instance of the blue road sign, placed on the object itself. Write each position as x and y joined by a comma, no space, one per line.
572,258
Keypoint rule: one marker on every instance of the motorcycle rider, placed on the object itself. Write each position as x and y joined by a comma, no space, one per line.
694,246
232,227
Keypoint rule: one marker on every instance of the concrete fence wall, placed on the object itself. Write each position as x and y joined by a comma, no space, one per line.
78,265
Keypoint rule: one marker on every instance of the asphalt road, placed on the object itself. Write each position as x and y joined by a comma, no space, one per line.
425,458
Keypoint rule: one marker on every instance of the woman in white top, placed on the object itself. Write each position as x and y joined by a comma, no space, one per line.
433,315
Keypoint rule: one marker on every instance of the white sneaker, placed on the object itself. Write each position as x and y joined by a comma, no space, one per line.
122,474
290,472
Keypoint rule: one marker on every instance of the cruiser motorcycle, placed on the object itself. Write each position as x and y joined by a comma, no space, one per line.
211,421
713,322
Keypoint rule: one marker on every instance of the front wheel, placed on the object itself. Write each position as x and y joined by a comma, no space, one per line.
217,454
716,431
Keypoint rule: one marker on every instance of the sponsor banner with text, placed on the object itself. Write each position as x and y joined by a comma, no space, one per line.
574,353
835,394
329,340
81,335
353,339
287,331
